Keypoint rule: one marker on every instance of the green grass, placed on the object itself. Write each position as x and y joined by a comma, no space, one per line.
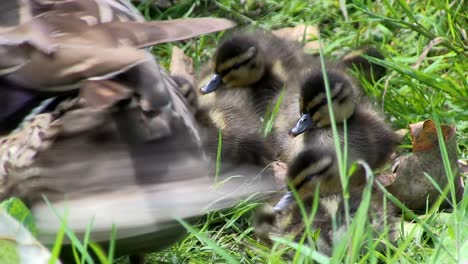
423,81
436,89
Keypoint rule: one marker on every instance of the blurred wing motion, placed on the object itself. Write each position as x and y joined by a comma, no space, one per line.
92,164
72,40
126,151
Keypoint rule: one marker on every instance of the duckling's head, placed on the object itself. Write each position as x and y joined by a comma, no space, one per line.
309,169
313,101
238,62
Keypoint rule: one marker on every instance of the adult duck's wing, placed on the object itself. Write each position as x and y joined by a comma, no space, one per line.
60,46
73,40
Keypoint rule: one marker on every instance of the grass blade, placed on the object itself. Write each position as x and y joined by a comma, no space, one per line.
229,259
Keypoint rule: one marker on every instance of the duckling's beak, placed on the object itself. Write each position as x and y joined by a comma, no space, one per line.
304,123
284,202
212,84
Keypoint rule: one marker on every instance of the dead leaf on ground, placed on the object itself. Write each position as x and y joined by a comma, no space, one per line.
279,170
424,135
401,133
409,173
301,33
182,65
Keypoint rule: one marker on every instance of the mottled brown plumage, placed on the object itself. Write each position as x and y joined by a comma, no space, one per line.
117,142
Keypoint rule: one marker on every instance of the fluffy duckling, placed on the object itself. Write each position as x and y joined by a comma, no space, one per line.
369,137
257,62
241,139
311,168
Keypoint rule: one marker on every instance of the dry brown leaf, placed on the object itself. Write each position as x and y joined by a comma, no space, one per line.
401,133
182,65
424,135
280,169
299,33
410,183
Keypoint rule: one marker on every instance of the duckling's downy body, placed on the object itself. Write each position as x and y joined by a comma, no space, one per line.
241,140
240,133
309,169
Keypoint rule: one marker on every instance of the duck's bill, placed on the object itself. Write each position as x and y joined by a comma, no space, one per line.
212,84
304,123
285,201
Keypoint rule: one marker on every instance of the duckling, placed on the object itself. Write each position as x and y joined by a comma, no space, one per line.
241,140
257,62
369,137
312,168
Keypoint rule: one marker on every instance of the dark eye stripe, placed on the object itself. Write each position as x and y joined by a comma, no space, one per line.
310,176
316,107
343,96
339,96
236,66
